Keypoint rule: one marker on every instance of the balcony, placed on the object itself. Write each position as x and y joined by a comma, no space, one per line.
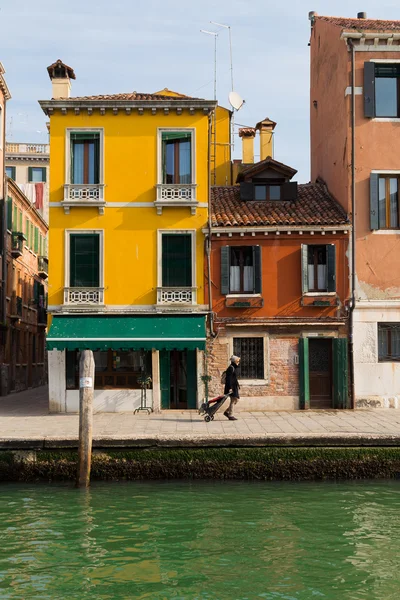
16,308
81,297
176,194
176,296
42,316
90,194
43,267
31,149
17,244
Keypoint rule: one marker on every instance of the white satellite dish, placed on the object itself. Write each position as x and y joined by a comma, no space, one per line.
235,100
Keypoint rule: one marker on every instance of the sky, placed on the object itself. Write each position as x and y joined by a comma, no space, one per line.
147,45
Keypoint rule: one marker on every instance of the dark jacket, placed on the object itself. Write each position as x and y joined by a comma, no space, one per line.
231,382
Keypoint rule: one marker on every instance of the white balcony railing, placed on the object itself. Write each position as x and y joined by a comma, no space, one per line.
176,295
83,296
27,148
76,192
176,191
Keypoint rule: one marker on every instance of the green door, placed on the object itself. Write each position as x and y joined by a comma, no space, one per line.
191,379
178,379
340,374
165,378
304,374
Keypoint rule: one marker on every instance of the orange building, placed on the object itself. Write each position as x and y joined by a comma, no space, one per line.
355,148
279,286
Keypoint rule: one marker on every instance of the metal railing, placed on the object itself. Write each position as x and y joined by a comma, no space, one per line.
17,242
181,192
87,192
43,265
27,148
176,295
83,296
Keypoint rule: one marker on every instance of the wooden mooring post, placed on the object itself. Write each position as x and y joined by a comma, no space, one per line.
86,392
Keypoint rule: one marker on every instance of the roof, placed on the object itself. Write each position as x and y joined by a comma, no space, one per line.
361,24
314,207
267,163
134,96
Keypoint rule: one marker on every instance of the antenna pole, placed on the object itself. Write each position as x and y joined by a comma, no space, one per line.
214,125
228,27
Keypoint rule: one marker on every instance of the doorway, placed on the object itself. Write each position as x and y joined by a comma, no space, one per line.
320,369
178,379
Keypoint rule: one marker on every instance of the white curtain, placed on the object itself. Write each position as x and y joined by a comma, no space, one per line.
321,273
248,279
234,282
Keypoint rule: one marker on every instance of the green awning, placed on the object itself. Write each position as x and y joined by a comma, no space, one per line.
127,333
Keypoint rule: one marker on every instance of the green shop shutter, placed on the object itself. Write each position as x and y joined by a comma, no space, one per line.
84,260
304,268
176,260
225,266
191,378
340,374
9,213
369,89
165,374
331,267
257,269
304,374
374,200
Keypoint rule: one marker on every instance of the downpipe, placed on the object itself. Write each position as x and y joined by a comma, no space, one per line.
353,229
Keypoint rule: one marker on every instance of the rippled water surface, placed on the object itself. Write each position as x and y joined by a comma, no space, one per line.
201,540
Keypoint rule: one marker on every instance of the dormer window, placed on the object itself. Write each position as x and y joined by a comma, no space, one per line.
267,192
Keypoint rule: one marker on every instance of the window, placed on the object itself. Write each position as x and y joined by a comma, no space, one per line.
9,213
251,353
10,172
388,342
381,89
85,157
267,192
318,268
176,157
36,174
177,268
113,369
388,202
84,259
241,270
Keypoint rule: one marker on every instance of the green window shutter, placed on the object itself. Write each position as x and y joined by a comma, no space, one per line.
27,230
257,269
165,374
36,246
9,213
84,260
369,89
176,260
30,174
15,219
40,244
44,174
20,220
304,268
331,267
225,268
374,199
304,374
10,172
340,374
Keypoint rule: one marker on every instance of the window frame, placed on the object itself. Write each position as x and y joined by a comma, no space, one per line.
225,266
268,191
387,326
30,174
241,249
13,171
160,131
160,233
68,171
387,178
68,233
331,271
266,354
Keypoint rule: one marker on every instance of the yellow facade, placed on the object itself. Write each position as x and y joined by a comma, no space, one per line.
130,161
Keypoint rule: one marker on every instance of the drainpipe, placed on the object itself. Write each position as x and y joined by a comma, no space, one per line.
353,229
208,240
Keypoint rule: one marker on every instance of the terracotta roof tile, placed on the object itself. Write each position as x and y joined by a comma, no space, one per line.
314,206
361,24
133,96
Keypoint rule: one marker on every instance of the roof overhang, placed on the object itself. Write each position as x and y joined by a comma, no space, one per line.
277,229
49,106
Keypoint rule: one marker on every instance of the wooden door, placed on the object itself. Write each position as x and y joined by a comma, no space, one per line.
320,366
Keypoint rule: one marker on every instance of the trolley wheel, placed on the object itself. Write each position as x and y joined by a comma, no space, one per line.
212,418
207,418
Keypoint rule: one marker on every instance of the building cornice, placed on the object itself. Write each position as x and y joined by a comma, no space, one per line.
3,85
252,231
373,41
127,106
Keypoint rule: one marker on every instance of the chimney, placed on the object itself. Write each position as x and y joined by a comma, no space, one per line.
361,15
247,134
266,129
60,75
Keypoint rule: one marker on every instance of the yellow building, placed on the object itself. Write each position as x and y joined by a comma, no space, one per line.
129,189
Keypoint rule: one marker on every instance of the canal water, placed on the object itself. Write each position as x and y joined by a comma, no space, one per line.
201,541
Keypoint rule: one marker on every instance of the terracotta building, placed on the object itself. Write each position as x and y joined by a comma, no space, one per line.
355,149
22,358
279,285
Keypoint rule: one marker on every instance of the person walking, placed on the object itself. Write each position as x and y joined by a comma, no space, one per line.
232,385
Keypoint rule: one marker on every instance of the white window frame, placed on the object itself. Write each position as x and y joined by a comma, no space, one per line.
68,132
192,233
67,248
247,334
160,131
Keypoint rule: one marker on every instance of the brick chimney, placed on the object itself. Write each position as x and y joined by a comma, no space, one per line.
60,75
266,130
247,134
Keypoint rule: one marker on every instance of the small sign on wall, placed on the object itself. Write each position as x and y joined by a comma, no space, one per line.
86,382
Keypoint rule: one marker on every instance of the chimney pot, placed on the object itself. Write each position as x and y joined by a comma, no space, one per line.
311,15
361,15
60,75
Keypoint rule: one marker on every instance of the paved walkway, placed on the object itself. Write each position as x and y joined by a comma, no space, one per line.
25,423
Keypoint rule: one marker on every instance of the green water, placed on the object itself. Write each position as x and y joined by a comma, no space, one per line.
201,541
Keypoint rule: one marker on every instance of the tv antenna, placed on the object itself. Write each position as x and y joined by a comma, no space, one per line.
215,34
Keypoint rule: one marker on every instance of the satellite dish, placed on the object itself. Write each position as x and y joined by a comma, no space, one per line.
235,100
